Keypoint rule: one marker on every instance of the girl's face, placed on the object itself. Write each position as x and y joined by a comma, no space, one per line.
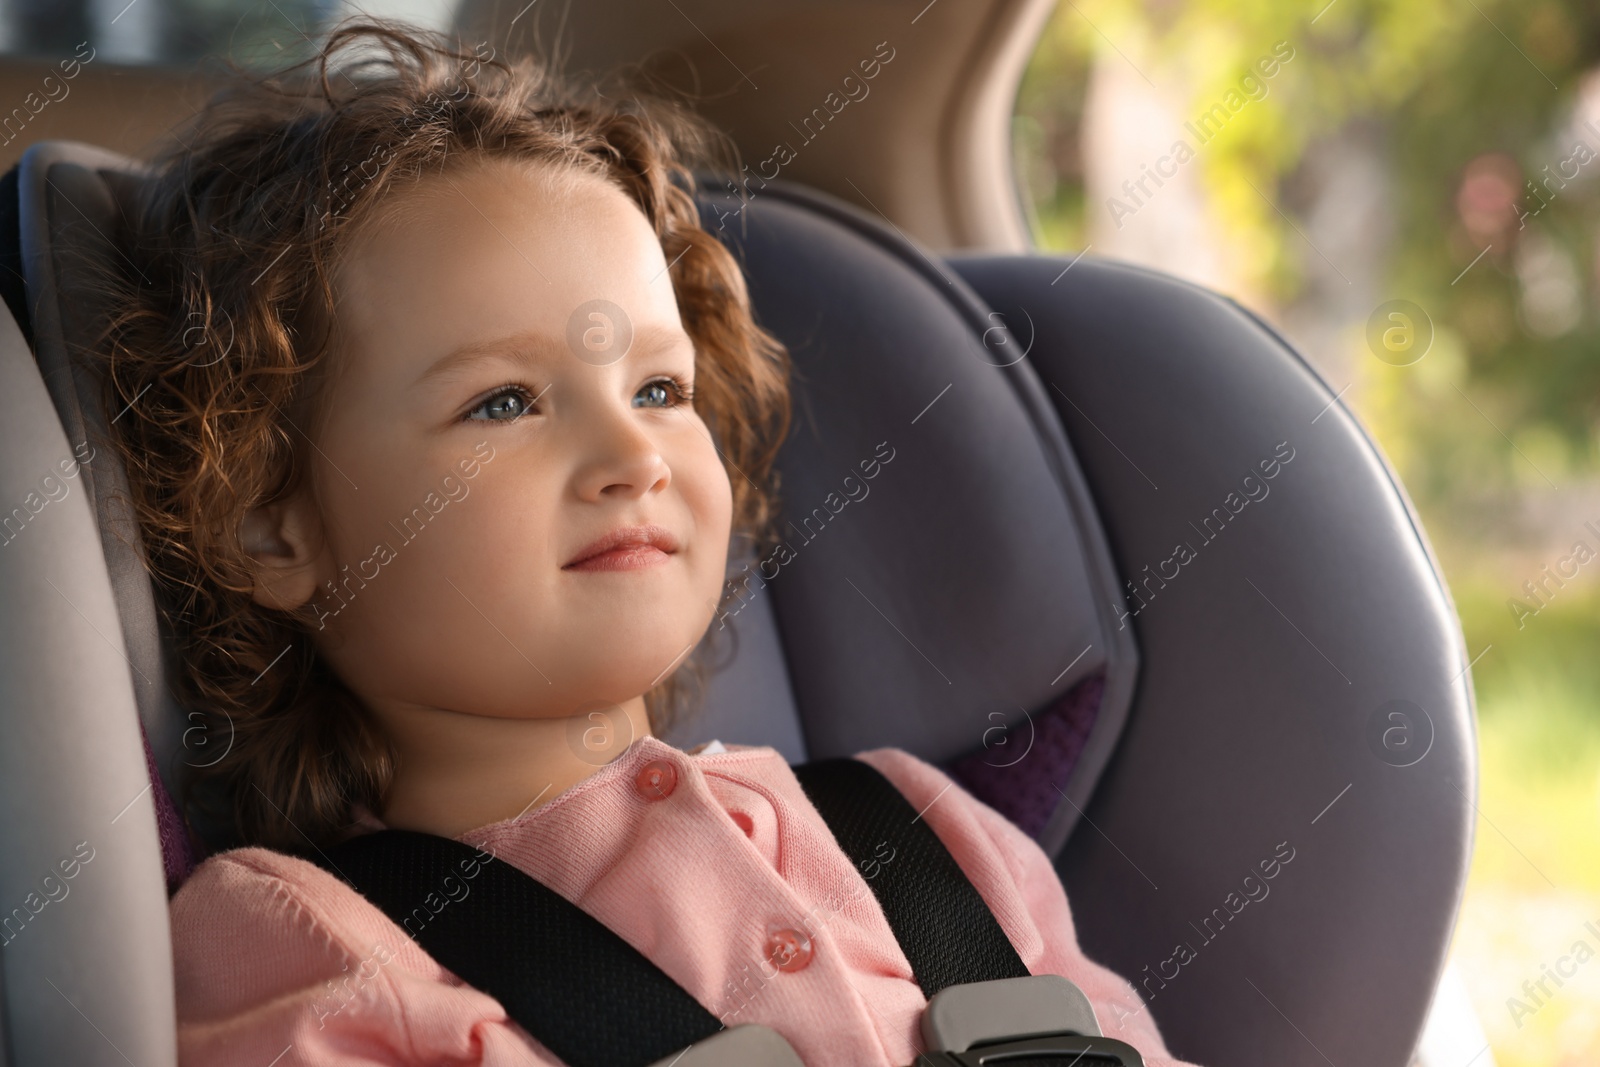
481,427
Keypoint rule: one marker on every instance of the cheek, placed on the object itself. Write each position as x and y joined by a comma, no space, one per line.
420,573
500,526
713,573
709,496
703,485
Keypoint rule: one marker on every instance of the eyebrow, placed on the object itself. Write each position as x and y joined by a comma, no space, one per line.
532,346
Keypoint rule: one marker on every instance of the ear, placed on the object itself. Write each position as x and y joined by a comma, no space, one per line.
285,540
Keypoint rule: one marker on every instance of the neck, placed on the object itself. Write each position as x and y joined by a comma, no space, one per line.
456,771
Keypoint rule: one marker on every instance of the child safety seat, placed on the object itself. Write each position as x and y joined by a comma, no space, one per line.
1127,568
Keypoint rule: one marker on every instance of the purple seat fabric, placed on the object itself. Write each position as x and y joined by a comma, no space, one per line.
1022,774
179,850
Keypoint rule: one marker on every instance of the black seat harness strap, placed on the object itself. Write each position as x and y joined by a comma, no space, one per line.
947,932
589,996
596,1001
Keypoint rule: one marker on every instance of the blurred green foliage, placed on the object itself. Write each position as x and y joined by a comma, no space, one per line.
1538,688
1446,82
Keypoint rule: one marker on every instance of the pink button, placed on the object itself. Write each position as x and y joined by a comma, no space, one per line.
789,950
746,823
656,780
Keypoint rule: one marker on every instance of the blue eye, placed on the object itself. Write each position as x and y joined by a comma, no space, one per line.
506,405
665,392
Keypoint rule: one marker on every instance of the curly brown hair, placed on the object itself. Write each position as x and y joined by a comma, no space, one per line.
221,322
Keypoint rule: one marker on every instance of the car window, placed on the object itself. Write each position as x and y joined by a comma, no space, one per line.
183,33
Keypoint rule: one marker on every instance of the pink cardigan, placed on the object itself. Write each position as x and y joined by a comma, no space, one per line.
279,962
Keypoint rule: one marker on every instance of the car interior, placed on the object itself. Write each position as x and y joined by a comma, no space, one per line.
1126,527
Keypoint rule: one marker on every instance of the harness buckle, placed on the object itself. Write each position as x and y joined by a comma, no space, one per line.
1031,1021
738,1046
1050,1050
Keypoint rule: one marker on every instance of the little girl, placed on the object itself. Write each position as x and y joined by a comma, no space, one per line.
441,412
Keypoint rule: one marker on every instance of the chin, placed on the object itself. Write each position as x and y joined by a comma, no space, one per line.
644,663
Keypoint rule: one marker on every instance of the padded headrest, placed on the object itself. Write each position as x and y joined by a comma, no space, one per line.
967,584
944,580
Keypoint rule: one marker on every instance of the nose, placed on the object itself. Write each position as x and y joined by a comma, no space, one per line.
619,457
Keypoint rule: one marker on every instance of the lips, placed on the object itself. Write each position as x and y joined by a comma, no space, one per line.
625,546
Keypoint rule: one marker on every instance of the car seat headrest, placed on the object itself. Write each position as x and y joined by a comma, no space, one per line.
944,572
